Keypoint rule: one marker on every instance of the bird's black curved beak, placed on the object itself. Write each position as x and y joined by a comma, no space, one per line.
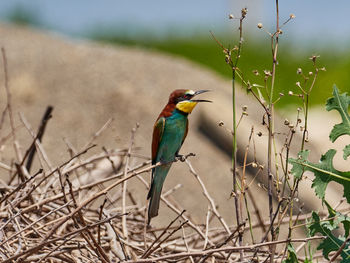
200,92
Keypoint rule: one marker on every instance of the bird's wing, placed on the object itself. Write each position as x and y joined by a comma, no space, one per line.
183,139
186,131
158,130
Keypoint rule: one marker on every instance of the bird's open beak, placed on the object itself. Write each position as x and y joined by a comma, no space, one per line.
200,92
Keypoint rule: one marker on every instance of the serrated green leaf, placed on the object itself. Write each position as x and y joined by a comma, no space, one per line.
346,151
331,243
298,170
341,104
292,255
345,220
324,172
335,218
314,226
331,215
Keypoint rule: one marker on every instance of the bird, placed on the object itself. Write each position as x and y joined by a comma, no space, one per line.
169,132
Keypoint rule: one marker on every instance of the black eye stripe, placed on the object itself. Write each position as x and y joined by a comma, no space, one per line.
184,97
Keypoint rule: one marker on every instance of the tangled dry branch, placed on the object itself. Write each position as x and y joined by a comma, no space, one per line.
83,211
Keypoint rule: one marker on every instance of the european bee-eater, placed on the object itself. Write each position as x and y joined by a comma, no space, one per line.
169,133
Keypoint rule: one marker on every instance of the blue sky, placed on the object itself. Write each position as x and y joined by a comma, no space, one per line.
323,21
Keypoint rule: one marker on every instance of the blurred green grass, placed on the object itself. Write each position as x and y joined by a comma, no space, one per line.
256,55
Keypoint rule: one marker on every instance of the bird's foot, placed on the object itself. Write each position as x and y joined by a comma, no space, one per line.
182,158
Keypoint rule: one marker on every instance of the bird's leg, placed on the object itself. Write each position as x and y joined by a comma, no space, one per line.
179,157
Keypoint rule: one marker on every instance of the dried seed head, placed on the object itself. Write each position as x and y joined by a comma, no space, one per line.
245,113
314,57
291,126
286,122
259,134
280,31
291,16
244,12
267,72
221,123
256,72
254,165
299,71
244,107
260,25
299,120
230,16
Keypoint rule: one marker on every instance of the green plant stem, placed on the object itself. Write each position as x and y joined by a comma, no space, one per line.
238,204
274,43
306,109
296,181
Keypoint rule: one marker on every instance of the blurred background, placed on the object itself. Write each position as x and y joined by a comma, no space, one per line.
183,28
96,60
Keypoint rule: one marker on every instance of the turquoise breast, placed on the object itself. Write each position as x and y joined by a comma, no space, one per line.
173,134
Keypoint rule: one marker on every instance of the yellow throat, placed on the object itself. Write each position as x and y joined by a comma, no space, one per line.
186,106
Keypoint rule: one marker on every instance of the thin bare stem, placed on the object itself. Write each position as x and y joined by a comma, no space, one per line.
226,249
150,250
124,186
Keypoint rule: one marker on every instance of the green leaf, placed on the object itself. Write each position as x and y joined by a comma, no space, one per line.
335,218
346,151
324,172
298,170
292,255
331,243
345,220
341,104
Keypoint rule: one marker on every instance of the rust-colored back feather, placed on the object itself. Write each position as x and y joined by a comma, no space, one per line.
157,136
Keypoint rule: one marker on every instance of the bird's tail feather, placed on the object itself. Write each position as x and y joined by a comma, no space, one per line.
154,195
155,191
